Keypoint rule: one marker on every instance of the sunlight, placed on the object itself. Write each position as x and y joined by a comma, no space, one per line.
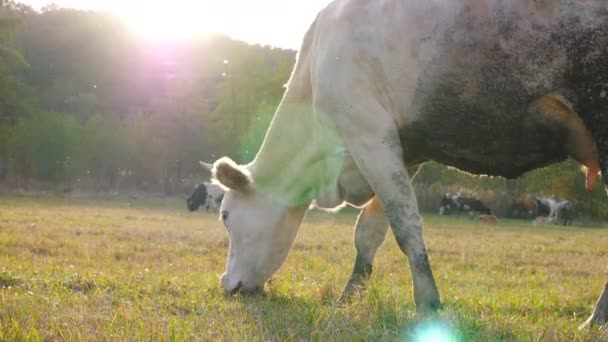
171,21
273,22
434,332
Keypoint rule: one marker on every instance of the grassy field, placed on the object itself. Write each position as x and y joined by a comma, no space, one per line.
115,270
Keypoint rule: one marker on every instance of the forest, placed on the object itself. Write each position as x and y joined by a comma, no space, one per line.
88,106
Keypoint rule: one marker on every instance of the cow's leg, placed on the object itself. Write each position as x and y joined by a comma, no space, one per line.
372,138
392,184
370,231
599,316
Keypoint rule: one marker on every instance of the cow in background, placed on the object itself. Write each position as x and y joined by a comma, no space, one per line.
545,206
473,205
208,195
564,212
455,202
523,207
449,203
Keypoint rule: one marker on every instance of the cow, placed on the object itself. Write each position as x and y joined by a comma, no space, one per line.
545,206
489,87
473,206
206,194
458,203
449,203
523,207
564,212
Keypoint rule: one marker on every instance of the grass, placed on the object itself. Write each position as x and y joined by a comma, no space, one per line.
118,270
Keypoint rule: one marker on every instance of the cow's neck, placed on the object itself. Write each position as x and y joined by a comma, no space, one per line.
301,157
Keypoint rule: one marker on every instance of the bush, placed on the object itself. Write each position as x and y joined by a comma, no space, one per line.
45,145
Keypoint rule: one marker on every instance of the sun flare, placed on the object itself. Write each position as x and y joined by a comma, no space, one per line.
177,20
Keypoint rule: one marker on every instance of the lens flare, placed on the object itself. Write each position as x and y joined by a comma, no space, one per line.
434,332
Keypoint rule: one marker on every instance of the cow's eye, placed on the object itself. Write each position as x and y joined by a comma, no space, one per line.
224,215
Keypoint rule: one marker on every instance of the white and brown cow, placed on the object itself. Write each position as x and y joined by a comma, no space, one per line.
487,86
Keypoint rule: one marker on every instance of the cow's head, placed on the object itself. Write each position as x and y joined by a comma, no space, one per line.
261,229
197,198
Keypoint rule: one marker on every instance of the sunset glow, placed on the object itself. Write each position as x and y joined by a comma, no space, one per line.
279,23
172,20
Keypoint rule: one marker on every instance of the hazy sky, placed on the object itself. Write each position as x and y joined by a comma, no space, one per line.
275,22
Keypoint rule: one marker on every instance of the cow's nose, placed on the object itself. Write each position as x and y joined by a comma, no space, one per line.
239,287
233,289
230,288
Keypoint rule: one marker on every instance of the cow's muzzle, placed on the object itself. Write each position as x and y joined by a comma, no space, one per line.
239,287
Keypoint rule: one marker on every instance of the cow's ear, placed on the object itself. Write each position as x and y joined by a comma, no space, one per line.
206,166
231,175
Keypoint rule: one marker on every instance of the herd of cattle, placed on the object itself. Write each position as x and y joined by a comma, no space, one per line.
542,209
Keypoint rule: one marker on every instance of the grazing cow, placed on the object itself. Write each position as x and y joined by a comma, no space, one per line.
564,212
473,206
379,87
208,195
488,219
458,203
449,203
523,207
545,207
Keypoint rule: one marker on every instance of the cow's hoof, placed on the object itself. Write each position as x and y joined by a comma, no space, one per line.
350,291
599,317
594,321
590,323
429,308
347,296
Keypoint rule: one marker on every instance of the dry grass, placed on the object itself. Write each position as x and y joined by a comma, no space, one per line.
93,270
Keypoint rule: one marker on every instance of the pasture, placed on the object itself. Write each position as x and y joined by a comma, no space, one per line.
149,270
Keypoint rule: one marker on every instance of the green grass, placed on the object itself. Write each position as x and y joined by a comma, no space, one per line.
116,270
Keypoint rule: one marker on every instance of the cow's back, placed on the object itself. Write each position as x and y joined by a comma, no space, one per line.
458,75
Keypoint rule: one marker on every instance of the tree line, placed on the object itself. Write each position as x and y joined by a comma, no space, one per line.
87,105
85,101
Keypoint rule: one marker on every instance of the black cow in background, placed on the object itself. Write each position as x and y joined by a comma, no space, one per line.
208,195
455,202
564,212
473,205
449,203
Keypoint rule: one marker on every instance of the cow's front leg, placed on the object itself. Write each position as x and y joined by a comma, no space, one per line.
370,231
371,136
402,212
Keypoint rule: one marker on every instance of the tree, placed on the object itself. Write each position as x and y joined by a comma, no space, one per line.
12,90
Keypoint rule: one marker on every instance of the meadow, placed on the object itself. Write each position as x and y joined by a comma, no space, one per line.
75,269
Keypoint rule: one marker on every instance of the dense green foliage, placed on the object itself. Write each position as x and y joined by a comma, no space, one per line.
99,270
96,107
87,105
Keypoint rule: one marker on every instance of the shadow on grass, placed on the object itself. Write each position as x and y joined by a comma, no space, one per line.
280,316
